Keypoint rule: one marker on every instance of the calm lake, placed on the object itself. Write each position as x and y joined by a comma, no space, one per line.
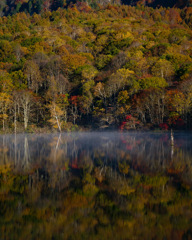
108,185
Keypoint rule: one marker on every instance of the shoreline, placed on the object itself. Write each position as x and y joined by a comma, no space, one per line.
96,130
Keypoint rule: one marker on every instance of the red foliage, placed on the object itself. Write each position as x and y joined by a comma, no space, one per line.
128,117
74,100
129,123
74,164
83,7
164,126
111,7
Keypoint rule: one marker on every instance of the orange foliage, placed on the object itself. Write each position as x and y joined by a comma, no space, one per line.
73,61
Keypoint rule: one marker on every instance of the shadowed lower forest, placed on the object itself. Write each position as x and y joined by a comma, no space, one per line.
110,67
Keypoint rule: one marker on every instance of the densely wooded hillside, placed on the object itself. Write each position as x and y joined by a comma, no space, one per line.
119,66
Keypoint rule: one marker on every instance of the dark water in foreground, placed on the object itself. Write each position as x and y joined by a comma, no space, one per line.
96,186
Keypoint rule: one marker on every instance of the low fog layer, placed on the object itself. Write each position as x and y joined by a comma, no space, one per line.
153,150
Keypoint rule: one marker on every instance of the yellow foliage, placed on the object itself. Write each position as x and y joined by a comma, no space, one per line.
5,168
125,72
73,61
125,223
150,44
123,35
125,190
89,56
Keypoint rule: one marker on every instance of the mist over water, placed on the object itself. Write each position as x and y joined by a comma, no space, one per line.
153,150
96,185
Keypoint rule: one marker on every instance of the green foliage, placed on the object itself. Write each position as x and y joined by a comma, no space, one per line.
30,41
111,49
19,80
178,35
6,51
103,60
153,82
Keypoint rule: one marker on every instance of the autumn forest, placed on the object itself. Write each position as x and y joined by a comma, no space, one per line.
95,119
103,67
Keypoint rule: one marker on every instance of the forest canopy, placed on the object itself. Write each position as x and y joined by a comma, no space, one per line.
113,66
10,7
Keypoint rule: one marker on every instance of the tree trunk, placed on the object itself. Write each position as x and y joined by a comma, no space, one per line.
25,118
58,123
3,124
15,118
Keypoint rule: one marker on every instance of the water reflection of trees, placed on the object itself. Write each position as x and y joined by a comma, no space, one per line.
101,185
53,152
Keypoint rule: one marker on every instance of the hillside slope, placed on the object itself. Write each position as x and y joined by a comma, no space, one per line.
120,66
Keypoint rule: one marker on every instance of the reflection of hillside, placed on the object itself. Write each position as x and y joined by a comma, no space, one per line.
95,186
141,151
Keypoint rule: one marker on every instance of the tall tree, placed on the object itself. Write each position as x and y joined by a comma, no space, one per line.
33,75
26,103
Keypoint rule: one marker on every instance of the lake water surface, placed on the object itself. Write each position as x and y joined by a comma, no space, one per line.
108,185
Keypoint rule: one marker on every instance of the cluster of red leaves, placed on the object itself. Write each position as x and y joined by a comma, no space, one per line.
74,100
128,119
164,126
177,123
